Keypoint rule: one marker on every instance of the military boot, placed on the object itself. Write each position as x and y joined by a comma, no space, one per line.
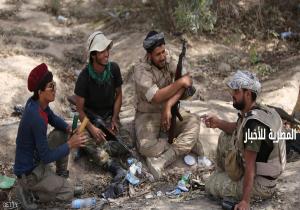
25,197
157,164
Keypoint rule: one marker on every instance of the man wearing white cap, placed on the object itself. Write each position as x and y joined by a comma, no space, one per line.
248,160
99,96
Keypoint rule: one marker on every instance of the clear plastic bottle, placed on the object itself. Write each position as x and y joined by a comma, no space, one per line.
183,182
83,203
131,161
204,162
75,121
289,35
186,177
132,179
135,168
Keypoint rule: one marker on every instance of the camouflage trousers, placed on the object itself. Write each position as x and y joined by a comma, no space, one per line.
103,152
43,182
220,185
151,141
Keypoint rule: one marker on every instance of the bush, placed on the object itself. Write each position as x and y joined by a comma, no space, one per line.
53,6
194,16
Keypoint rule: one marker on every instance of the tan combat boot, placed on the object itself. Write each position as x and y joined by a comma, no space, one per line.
157,164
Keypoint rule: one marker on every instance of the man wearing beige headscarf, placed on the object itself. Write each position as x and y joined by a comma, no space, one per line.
246,167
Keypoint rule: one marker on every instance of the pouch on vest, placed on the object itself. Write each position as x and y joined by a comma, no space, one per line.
233,165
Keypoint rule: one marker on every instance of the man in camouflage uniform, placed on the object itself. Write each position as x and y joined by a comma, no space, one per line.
246,168
156,92
296,111
99,97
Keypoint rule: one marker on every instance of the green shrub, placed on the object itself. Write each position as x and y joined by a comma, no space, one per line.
53,6
254,56
264,70
194,16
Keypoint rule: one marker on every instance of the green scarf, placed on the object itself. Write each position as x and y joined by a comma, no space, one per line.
102,77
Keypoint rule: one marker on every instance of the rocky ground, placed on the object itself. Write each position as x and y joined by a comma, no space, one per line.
33,32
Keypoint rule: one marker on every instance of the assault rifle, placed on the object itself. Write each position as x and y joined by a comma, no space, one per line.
99,123
188,92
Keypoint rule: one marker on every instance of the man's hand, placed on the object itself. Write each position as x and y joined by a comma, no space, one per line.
114,125
69,129
77,140
211,121
97,133
186,80
166,117
243,205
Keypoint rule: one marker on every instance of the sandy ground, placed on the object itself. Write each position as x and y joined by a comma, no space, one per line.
30,36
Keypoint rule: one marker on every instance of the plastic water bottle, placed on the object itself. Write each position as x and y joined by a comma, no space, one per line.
182,183
75,121
204,162
131,161
285,35
135,167
289,35
186,177
132,179
83,203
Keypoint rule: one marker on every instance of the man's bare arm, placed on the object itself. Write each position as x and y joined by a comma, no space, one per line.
166,114
167,92
118,102
250,159
212,121
117,108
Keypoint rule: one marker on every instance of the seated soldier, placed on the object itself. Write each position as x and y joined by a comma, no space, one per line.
247,167
34,150
156,93
98,92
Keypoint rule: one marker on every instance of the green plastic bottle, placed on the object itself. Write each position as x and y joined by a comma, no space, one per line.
75,121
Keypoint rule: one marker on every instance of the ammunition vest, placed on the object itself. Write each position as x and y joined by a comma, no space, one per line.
277,158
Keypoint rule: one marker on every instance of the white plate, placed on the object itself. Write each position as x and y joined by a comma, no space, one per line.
189,160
